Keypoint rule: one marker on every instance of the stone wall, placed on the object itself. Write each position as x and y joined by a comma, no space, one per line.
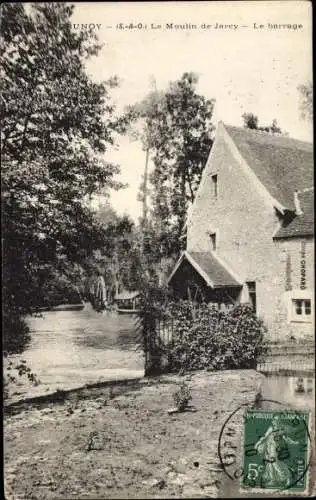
292,286
245,220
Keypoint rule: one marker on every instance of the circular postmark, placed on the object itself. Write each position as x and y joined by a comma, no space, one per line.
267,449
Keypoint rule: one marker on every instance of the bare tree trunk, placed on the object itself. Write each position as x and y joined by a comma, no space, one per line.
183,201
117,288
115,270
145,191
145,211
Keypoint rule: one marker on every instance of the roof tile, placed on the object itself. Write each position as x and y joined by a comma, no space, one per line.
217,273
281,163
301,225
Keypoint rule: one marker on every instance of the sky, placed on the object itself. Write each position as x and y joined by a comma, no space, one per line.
246,66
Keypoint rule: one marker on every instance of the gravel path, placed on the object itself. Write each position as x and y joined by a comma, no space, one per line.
113,444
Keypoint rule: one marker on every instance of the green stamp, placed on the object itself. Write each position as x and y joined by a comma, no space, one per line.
276,450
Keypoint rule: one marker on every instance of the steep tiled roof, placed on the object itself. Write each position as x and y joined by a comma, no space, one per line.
301,225
217,273
209,268
283,165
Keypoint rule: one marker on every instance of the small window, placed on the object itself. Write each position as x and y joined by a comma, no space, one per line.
252,294
213,241
214,182
301,308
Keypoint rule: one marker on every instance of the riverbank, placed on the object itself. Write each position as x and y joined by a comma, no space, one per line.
116,442
71,379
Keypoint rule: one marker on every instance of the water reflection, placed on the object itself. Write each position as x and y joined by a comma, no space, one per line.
294,391
303,384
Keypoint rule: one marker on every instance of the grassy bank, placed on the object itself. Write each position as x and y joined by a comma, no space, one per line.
117,443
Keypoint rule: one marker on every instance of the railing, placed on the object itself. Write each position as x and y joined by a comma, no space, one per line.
165,329
288,359
283,358
287,368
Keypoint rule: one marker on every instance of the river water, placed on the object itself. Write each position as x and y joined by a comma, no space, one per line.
293,391
73,348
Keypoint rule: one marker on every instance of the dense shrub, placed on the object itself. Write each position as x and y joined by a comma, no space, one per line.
16,333
59,289
207,338
13,372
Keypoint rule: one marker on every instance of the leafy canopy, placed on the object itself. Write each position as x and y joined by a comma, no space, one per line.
251,121
56,127
176,128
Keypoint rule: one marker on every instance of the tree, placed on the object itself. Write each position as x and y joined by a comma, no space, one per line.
119,261
56,127
177,130
144,117
306,101
251,121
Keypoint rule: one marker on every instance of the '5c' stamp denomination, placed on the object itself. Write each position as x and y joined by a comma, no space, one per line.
276,450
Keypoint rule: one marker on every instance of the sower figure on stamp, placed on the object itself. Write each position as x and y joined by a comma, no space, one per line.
272,445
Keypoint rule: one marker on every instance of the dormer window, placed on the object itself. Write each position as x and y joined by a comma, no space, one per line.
286,218
214,184
213,241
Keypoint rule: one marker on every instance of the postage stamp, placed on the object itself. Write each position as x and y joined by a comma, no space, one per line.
276,451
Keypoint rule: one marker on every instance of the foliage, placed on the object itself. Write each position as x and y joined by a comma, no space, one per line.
119,259
16,333
56,127
251,121
182,397
155,301
208,338
13,372
204,337
306,101
60,288
177,130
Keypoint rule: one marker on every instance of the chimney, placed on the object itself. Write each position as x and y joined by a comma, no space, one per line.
298,210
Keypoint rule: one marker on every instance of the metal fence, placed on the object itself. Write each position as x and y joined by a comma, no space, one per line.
288,359
164,328
158,333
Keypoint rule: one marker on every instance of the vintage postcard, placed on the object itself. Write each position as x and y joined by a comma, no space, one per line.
158,249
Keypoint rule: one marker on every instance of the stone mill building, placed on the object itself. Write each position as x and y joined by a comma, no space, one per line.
250,232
